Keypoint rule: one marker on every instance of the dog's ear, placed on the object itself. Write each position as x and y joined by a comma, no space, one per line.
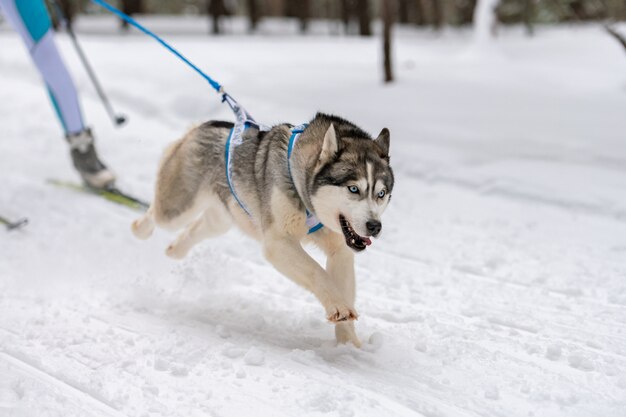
330,147
383,141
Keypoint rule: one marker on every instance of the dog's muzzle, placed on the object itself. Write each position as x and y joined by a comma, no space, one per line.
353,239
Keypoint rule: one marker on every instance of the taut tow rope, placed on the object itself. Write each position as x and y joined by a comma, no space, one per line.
217,86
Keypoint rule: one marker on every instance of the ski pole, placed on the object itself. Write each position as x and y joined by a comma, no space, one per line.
116,118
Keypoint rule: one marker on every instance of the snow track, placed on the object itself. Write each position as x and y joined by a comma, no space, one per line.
13,366
497,288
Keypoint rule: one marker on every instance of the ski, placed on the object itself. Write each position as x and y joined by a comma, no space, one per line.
113,195
13,225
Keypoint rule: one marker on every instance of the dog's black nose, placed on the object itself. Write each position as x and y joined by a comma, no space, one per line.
373,227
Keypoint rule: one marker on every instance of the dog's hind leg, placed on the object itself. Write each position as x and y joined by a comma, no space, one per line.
214,221
142,228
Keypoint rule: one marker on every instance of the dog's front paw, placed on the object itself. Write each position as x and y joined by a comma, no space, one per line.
175,251
341,313
345,333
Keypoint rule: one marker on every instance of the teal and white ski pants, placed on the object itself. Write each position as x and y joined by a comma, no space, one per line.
31,20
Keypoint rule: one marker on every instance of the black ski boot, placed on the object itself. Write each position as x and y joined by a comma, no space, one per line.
86,161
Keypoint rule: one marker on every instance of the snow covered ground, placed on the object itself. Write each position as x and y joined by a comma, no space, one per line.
497,289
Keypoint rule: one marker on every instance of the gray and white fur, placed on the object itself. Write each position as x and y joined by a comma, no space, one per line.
340,174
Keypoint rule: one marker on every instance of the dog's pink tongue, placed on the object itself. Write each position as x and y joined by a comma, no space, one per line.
367,240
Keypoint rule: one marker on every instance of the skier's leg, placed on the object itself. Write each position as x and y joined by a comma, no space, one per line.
31,20
60,84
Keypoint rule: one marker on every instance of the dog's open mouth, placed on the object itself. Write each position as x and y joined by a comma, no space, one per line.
353,240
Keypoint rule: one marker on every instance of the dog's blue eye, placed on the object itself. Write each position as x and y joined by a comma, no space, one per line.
353,189
381,193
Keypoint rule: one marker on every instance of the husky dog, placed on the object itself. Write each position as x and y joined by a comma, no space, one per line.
335,171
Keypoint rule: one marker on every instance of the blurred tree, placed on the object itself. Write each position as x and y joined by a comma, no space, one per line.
300,9
388,12
347,13
365,23
332,12
131,7
419,13
404,10
618,36
578,9
436,14
254,14
216,9
304,13
529,16
465,11
290,8
67,8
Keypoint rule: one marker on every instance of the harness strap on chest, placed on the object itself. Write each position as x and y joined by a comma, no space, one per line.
312,221
235,138
232,141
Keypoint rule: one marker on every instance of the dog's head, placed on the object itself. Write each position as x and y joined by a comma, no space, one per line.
353,182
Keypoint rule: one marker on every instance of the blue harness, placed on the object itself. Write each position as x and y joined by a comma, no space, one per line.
235,138
312,221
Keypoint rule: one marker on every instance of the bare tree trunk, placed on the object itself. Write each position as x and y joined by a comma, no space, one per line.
419,13
365,28
529,16
577,7
388,13
347,12
131,7
216,9
274,7
437,14
403,11
618,36
466,12
253,13
304,12
68,10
